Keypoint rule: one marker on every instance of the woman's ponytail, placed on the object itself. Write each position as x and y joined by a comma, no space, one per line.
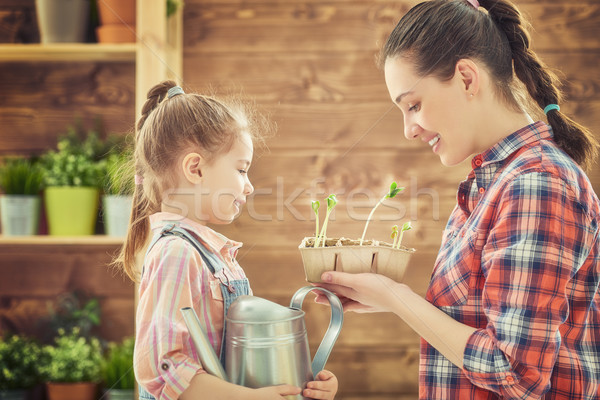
541,83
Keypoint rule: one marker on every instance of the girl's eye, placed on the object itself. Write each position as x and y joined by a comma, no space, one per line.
242,171
416,107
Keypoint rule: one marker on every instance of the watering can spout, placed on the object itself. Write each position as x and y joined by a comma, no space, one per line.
208,358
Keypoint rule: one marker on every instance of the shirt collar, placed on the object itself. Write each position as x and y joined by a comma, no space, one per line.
214,239
523,137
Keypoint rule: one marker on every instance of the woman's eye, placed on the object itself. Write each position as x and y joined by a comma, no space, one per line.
415,107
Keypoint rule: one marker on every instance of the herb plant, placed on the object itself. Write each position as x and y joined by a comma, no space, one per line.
397,236
315,207
117,365
394,190
19,359
20,176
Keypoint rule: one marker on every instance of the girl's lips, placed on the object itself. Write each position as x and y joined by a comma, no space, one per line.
433,141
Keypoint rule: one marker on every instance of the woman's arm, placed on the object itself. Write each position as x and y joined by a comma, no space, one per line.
377,293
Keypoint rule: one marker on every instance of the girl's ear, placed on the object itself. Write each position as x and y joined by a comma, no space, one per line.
192,167
468,72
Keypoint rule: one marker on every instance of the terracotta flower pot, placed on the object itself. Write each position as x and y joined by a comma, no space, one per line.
117,33
71,391
346,255
114,12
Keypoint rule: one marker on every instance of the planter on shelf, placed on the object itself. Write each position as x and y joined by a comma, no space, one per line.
119,394
321,254
13,394
71,210
71,391
117,210
21,180
117,21
118,189
63,21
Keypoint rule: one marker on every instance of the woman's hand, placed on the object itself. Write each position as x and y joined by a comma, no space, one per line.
361,292
324,388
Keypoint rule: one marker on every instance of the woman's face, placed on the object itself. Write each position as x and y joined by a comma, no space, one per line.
225,183
434,111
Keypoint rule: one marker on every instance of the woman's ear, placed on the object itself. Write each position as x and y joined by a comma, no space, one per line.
468,72
192,167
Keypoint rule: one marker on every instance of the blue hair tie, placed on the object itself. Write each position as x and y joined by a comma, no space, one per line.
551,107
174,91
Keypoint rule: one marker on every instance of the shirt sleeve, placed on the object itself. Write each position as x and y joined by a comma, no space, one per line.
164,365
536,245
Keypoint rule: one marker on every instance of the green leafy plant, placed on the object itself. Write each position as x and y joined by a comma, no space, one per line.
119,179
20,176
394,190
72,358
19,359
315,207
117,365
172,6
331,202
74,310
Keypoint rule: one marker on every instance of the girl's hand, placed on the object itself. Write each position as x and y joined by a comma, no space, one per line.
324,388
275,392
361,292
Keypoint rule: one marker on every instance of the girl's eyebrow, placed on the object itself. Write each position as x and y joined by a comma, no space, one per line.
246,162
399,98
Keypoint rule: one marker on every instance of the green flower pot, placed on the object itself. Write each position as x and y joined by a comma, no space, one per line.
15,394
71,211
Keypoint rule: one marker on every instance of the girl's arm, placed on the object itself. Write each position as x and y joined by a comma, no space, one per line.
377,293
201,384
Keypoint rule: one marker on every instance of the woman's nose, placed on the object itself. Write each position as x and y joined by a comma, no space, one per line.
411,129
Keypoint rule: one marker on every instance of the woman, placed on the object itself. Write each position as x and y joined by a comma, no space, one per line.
512,309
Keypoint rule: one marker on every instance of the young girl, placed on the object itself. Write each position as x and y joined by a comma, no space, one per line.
192,156
513,306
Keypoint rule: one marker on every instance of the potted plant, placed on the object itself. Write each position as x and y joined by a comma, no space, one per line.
118,191
72,369
320,253
19,359
73,176
117,370
63,20
21,180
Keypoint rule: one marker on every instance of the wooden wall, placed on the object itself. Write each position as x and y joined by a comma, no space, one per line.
309,65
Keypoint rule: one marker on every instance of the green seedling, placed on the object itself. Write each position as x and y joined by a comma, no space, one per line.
406,227
331,202
315,207
394,190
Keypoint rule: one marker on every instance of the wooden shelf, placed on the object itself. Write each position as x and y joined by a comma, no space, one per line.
46,240
68,52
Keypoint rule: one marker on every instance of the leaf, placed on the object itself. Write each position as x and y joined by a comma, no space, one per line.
407,226
331,202
315,206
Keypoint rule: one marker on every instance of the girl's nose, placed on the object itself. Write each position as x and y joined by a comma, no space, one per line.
248,188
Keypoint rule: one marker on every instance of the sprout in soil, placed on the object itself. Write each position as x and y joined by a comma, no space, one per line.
331,202
315,207
406,227
394,190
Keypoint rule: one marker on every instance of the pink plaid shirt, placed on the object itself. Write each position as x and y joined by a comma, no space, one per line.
175,276
520,261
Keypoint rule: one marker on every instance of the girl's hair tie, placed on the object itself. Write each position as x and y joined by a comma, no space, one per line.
474,3
139,180
174,91
551,107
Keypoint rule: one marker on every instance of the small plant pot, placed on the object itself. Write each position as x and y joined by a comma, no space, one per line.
20,215
71,391
346,255
119,394
117,33
15,394
71,211
63,20
117,210
113,12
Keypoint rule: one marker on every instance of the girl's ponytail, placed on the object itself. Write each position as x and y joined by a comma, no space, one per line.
145,193
541,83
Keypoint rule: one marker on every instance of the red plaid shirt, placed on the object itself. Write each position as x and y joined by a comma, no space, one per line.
520,262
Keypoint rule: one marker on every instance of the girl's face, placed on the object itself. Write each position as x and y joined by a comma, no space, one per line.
434,111
225,183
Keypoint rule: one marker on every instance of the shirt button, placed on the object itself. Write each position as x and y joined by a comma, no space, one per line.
481,190
510,380
164,366
478,162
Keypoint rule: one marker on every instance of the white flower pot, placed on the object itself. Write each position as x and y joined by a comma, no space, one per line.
345,256
117,210
20,214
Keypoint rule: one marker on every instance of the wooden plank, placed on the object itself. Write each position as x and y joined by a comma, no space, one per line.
355,26
67,52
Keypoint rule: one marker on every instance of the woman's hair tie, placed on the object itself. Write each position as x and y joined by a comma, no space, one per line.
551,107
174,91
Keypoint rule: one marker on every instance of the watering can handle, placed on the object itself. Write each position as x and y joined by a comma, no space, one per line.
335,324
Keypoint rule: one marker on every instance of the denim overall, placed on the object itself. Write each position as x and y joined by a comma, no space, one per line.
229,289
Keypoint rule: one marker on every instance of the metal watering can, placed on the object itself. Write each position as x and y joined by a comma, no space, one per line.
265,343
